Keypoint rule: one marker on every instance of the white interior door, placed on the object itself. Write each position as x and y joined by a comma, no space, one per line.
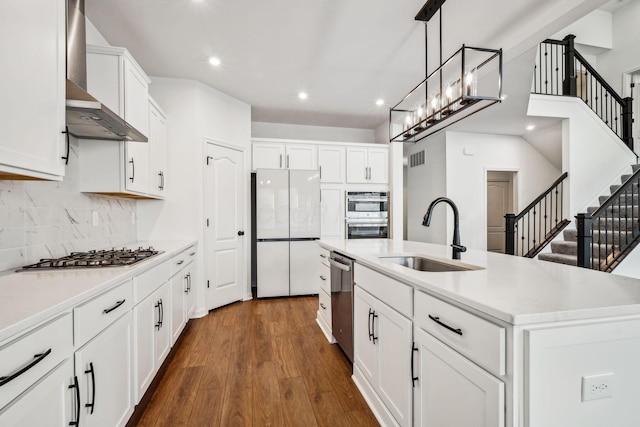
499,203
224,233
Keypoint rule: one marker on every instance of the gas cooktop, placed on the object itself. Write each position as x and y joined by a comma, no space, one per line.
95,259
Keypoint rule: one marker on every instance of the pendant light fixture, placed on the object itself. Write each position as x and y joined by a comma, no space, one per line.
470,80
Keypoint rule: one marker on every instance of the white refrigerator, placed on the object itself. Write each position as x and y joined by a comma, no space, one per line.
287,225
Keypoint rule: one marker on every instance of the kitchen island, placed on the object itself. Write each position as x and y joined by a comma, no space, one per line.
510,341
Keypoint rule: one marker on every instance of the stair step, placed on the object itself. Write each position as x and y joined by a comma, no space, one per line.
624,199
559,258
571,235
614,188
571,248
613,211
615,224
635,168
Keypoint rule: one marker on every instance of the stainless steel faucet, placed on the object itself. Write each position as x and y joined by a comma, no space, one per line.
457,247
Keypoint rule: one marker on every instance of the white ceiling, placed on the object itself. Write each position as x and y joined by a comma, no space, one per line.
344,53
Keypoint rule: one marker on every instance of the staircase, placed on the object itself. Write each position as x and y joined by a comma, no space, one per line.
619,225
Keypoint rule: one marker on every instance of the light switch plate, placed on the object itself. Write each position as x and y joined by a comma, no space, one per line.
597,386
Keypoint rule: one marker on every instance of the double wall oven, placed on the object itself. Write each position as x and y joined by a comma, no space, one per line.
367,215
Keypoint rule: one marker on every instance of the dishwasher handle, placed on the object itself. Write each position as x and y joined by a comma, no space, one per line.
338,264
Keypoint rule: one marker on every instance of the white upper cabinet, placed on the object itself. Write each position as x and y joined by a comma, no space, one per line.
157,150
331,160
367,165
116,79
32,41
276,155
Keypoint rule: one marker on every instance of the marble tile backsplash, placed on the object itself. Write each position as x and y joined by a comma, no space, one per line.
51,219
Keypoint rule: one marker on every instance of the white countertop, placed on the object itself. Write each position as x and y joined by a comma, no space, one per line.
514,289
30,297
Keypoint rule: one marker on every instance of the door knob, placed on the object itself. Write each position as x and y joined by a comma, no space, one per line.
240,233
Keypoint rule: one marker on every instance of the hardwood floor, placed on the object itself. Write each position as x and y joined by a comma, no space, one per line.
258,363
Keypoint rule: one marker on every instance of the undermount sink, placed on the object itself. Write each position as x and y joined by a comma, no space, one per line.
424,264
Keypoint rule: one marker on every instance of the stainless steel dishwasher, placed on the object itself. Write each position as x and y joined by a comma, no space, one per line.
342,302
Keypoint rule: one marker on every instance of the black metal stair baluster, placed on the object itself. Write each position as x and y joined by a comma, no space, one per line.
546,77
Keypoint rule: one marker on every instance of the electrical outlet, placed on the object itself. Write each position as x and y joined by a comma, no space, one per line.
597,387
96,218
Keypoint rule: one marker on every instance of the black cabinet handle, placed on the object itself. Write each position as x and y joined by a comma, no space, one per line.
369,324
437,320
110,309
93,387
158,324
133,169
192,254
322,256
161,176
189,281
324,307
374,316
180,262
323,278
66,157
161,312
186,283
413,377
241,233
37,358
77,387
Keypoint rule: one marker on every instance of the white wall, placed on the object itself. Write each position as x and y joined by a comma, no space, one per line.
625,55
594,29
425,183
587,145
195,113
311,133
469,157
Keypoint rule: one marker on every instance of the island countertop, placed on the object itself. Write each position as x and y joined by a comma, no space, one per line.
513,289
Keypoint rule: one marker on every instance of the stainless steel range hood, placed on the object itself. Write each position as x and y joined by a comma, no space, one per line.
87,117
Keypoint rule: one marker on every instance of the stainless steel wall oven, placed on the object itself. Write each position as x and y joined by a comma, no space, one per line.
367,215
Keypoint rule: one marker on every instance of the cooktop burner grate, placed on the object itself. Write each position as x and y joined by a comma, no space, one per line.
95,259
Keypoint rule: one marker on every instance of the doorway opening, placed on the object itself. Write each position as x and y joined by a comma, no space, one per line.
500,201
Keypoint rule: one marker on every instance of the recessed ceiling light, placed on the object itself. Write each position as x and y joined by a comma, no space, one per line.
380,102
214,61
303,95
531,127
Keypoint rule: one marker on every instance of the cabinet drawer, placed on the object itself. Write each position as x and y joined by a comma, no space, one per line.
393,293
150,280
324,276
480,340
25,360
180,261
324,306
93,316
324,255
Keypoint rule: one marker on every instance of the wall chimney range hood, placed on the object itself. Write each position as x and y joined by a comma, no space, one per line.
87,117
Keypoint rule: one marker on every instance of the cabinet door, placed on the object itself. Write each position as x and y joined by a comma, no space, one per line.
451,391
163,334
302,264
136,97
365,352
191,291
154,178
303,156
332,213
146,316
178,306
103,368
137,166
378,162
331,161
267,155
49,402
394,352
357,172
32,41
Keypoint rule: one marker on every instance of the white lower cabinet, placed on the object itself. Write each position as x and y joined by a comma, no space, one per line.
103,368
50,402
152,337
182,300
451,391
382,348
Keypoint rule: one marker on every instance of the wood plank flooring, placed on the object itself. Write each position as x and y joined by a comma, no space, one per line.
258,363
